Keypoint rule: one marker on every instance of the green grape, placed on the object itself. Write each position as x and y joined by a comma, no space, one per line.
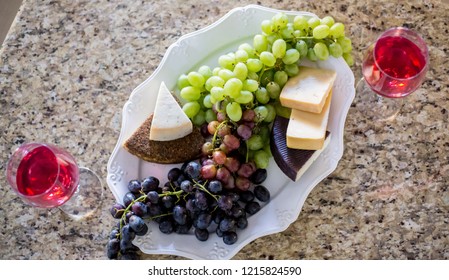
267,77
300,23
205,71
226,62
183,81
348,58
267,26
320,32
253,75
261,159
196,79
199,118
280,21
345,43
191,109
226,74
302,48
210,116
216,70
234,111
271,114
291,69
264,132
328,20
241,56
335,50
254,65
280,77
282,111
216,81
311,55
291,56
273,37
206,101
267,59
245,97
255,142
337,30
241,71
299,33
217,94
260,43
313,22
248,49
287,33
279,47
321,51
233,87
190,93
262,95
250,85
261,113
273,90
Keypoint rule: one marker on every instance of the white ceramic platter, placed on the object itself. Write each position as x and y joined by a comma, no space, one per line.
203,47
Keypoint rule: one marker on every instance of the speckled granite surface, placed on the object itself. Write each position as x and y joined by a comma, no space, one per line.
67,68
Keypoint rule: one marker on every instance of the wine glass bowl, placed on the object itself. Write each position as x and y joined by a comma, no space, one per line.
46,176
393,67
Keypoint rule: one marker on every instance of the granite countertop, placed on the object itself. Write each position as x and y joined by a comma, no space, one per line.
68,67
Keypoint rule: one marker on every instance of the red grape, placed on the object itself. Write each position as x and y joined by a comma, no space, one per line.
212,127
232,164
231,141
207,148
223,174
246,169
219,157
242,183
244,132
208,171
248,115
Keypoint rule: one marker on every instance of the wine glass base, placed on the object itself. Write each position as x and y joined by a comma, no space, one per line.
86,198
374,106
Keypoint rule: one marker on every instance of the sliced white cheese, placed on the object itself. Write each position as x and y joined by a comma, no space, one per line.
308,90
169,120
312,159
307,130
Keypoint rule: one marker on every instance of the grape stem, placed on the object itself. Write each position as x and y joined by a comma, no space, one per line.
205,190
214,138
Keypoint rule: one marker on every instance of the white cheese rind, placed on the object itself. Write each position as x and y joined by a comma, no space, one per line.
169,120
308,90
307,130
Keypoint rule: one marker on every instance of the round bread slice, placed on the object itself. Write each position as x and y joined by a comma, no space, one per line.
174,151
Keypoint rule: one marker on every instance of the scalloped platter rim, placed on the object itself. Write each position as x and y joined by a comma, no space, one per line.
189,52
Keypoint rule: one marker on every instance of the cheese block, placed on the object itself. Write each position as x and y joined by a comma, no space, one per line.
308,90
169,120
292,162
307,130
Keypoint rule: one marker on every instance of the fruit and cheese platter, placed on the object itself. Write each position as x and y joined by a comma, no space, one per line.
225,140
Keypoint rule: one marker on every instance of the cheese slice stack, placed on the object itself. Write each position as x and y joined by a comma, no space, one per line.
309,95
169,120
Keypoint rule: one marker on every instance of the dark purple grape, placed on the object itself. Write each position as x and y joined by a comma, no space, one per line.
153,197
237,211
227,224
128,215
259,176
113,248
180,215
230,237
247,196
242,223
136,223
168,202
134,186
150,184
186,186
218,216
203,220
140,209
201,200
204,131
166,226
234,196
252,207
201,234
215,186
262,193
114,233
127,233
143,230
117,210
182,229
125,245
181,178
219,232
174,174
225,202
244,132
193,169
154,210
128,198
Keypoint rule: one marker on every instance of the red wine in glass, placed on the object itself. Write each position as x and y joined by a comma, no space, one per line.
393,67
47,176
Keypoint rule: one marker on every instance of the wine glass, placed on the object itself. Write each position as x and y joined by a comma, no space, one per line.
393,67
46,176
